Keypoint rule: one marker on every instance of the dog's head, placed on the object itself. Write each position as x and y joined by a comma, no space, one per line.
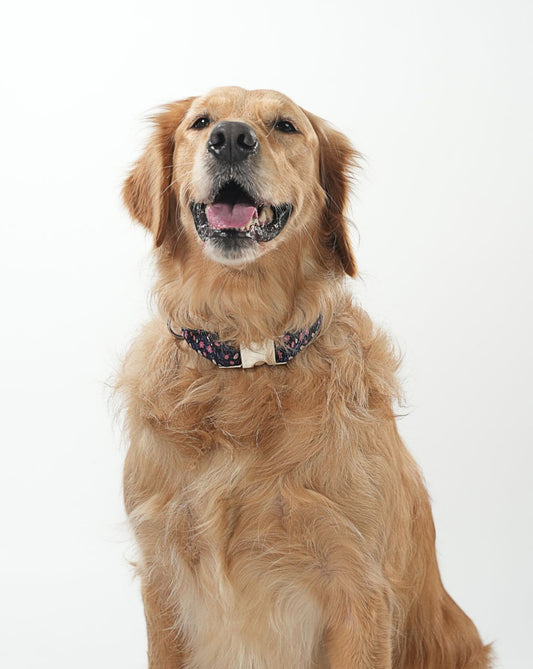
235,174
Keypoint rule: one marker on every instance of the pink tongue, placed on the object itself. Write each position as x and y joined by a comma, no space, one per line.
222,215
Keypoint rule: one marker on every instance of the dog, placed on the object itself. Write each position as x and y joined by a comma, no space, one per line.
280,520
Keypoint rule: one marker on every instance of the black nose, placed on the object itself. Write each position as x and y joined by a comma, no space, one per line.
232,141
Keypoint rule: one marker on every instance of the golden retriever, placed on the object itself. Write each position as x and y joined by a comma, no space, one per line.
280,520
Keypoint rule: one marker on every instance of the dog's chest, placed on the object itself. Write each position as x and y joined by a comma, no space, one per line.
237,607
238,590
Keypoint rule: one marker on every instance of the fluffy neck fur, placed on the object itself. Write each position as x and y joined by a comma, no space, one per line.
275,294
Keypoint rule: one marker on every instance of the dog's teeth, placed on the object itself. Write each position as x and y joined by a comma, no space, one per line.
266,214
251,222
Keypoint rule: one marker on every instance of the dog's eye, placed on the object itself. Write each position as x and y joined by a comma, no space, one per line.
285,126
201,122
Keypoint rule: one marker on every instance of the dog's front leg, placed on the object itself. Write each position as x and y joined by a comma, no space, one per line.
358,634
166,647
347,580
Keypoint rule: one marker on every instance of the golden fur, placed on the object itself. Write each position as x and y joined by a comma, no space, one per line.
281,522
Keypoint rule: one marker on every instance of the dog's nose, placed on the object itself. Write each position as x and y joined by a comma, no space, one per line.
232,141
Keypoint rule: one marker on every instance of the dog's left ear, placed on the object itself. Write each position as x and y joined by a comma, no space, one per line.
338,159
147,191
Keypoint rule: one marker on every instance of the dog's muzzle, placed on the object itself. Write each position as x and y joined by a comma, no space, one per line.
236,218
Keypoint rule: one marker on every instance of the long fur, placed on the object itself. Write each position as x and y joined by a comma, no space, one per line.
281,521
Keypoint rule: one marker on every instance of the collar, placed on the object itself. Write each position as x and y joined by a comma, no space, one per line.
208,345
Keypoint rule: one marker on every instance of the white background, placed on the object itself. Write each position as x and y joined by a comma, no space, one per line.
438,96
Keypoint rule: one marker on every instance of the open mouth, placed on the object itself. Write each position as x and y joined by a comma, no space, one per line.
234,220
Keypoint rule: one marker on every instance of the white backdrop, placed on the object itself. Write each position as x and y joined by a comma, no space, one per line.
438,96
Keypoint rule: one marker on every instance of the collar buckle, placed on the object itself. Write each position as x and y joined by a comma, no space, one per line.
262,353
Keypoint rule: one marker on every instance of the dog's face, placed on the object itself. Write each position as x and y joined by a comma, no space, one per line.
239,173
251,160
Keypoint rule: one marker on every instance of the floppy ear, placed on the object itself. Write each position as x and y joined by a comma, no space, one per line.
338,159
147,191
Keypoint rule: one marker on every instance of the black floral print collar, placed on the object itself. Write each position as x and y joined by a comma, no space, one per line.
208,345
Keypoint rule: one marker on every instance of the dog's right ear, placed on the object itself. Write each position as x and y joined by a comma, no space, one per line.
337,161
147,191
